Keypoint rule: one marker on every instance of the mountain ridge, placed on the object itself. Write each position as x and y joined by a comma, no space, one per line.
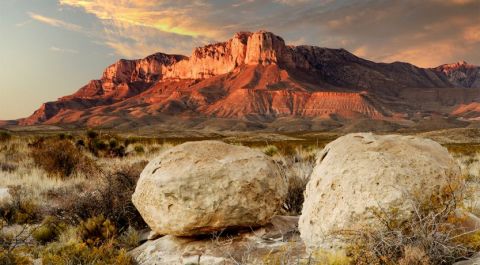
256,77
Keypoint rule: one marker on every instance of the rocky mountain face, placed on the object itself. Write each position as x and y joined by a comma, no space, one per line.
258,80
461,74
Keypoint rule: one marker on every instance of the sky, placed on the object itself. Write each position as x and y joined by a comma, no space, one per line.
50,48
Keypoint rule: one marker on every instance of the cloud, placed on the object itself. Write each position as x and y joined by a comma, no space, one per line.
62,50
133,41
425,33
472,34
54,22
177,18
377,30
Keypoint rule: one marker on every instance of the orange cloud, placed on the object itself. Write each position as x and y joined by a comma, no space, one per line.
153,14
472,34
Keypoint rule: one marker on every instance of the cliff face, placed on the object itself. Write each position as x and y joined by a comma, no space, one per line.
461,74
254,76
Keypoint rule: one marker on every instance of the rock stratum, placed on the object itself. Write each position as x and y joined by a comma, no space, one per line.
256,81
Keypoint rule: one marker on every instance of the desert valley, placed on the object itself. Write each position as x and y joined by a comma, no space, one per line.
255,150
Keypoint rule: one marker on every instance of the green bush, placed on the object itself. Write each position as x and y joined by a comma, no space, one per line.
5,136
92,134
270,150
13,257
113,143
49,230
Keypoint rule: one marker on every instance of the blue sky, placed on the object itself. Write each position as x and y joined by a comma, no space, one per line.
50,48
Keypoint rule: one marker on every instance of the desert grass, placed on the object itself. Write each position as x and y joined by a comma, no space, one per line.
105,194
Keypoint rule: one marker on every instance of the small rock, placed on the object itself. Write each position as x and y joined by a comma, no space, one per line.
5,197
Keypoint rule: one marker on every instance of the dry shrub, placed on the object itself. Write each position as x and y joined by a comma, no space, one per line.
414,256
426,236
295,195
111,197
12,153
21,210
96,231
130,239
8,167
81,253
61,158
296,169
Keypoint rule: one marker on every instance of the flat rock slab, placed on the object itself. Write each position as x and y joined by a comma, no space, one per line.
279,238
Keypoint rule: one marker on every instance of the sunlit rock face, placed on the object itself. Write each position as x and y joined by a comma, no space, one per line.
461,74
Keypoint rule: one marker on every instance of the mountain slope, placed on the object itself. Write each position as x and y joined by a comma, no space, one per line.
256,78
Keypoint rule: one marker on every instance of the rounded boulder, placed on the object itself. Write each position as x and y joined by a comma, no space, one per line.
360,172
207,186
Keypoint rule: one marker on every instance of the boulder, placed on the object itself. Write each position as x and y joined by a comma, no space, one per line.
206,186
360,172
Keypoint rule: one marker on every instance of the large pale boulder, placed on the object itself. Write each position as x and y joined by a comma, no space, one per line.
363,171
206,186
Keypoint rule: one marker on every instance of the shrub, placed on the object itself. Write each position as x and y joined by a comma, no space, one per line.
81,253
96,231
112,198
13,257
5,136
113,143
80,143
91,134
139,149
7,167
62,136
427,235
296,169
414,256
118,151
49,230
295,195
270,150
129,239
22,208
61,159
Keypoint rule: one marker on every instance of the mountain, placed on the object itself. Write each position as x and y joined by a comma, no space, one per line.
256,81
